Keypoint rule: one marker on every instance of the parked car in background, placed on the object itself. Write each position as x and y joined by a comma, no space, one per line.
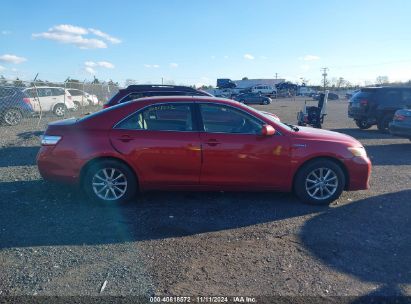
138,91
264,89
331,96
51,99
401,124
377,105
199,143
81,98
256,98
14,105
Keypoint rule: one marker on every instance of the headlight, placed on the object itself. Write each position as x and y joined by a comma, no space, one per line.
50,140
357,151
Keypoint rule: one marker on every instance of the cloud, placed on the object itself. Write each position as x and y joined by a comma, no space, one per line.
248,57
5,32
2,68
69,29
90,70
173,65
105,64
77,40
309,58
263,57
149,66
90,66
71,34
105,36
213,57
12,59
226,57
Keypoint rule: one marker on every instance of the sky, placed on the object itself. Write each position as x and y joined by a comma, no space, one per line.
196,42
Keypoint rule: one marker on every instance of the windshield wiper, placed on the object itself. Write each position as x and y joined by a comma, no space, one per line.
294,128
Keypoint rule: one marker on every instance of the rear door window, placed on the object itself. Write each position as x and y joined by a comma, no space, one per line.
165,117
391,97
4,92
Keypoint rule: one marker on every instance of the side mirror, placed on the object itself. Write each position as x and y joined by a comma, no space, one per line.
267,130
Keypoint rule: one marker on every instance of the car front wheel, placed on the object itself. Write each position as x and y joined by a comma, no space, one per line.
319,182
382,124
110,182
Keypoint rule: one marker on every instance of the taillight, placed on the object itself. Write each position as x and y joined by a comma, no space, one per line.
364,102
399,117
27,100
105,106
50,140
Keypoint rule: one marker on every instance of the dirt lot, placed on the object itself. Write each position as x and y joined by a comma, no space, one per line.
54,242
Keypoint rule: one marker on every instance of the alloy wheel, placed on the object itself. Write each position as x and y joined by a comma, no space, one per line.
321,183
12,117
109,184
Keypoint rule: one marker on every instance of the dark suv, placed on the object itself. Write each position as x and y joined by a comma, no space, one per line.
138,91
14,105
377,105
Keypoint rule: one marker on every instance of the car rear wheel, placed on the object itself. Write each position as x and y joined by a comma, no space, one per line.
382,124
59,109
12,117
109,182
265,102
362,124
319,182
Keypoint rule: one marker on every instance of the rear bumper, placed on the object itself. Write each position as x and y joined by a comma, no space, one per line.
57,169
359,171
401,131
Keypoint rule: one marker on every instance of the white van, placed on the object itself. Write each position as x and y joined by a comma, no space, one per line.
50,99
264,89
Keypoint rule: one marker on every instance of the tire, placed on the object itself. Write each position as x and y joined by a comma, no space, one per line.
59,109
76,106
123,182
382,124
265,102
305,179
12,117
362,124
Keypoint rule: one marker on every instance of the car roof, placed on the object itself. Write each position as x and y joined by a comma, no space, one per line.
43,87
158,99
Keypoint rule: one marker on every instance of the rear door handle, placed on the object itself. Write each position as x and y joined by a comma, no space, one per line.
213,142
125,138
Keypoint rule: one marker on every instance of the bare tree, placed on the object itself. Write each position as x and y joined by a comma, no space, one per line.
382,80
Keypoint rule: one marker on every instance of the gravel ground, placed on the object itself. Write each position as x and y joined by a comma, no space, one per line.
54,242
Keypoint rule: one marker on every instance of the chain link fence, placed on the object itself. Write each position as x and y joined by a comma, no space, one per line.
26,107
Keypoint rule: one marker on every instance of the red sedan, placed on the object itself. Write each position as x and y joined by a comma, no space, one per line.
199,143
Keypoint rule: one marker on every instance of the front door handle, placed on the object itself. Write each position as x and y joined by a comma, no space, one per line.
213,142
125,138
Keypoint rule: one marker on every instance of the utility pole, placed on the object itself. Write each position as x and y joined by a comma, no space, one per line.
324,74
276,74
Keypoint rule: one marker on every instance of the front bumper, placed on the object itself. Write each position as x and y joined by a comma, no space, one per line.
359,171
